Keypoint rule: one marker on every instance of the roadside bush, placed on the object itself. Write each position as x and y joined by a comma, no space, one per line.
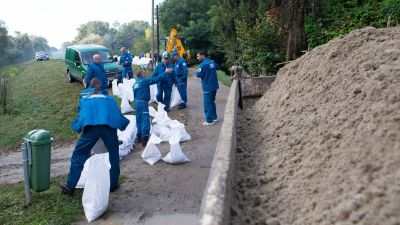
6,82
260,51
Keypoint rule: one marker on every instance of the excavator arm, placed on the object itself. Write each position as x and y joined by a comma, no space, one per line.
174,43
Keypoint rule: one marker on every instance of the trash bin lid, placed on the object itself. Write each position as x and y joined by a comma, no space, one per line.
39,137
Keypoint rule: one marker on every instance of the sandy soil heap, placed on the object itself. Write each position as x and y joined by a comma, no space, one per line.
322,146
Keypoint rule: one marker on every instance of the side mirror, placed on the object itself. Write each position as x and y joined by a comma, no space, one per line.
77,63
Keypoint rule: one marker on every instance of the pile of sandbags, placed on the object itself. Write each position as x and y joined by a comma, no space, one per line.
164,129
163,125
127,137
124,91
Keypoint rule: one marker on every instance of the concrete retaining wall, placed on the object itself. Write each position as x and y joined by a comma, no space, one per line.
256,86
216,204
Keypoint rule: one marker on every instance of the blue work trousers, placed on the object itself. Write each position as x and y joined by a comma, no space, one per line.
142,118
164,91
82,150
182,88
210,109
127,72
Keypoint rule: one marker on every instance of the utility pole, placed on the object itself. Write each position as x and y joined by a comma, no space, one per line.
152,34
158,34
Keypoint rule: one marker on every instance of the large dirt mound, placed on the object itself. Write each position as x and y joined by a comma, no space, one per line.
322,146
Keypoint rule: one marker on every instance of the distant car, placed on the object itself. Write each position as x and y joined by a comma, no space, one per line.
78,57
41,56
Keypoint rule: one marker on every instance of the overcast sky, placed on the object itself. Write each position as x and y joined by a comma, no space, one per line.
57,20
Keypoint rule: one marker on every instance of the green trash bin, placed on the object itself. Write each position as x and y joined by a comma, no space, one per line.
39,143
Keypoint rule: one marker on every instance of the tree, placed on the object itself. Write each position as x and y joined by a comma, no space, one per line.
143,44
23,47
291,14
130,32
4,42
92,27
40,43
6,83
191,18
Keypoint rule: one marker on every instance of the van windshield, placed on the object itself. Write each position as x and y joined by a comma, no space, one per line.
105,56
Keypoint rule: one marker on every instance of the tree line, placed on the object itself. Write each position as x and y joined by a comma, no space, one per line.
135,35
20,47
262,35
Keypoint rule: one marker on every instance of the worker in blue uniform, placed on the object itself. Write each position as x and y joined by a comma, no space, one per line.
126,62
164,87
99,117
141,90
209,82
96,70
181,73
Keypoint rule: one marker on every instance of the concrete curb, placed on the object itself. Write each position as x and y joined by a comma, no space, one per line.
215,208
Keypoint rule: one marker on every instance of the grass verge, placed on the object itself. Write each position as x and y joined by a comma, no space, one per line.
49,207
41,99
223,78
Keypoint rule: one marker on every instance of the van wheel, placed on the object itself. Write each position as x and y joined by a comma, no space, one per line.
70,78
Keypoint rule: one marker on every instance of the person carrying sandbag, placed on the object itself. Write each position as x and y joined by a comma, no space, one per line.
141,90
181,72
99,117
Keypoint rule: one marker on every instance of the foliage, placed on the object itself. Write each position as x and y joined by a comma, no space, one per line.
6,82
114,37
223,78
20,47
242,32
259,51
191,19
343,16
40,44
92,27
128,33
4,42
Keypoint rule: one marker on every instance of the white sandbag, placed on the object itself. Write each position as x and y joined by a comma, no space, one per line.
175,97
153,93
175,155
127,136
127,87
161,116
98,148
155,129
115,88
184,136
165,133
152,111
84,174
97,187
125,106
151,153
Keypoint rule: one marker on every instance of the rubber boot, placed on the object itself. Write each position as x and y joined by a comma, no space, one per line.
139,138
144,141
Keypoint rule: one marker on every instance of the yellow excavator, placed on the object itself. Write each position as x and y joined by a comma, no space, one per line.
175,43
